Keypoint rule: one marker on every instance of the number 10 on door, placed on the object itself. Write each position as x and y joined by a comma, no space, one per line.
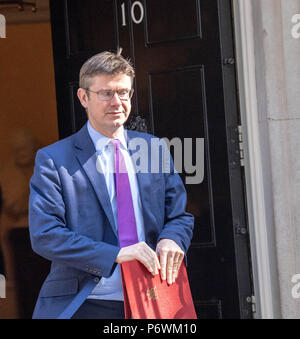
137,19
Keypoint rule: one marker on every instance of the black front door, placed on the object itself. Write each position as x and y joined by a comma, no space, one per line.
185,89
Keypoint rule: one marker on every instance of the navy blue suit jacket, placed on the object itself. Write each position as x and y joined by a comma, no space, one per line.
72,224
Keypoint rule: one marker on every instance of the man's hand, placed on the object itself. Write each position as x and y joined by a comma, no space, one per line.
171,256
143,253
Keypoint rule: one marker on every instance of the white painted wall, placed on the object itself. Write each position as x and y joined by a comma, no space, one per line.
269,79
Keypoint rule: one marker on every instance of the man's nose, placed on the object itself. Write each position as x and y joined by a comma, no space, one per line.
116,100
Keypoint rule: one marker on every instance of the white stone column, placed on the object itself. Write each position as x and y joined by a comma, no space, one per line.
277,79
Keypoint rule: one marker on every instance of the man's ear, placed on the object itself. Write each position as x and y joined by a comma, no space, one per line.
82,96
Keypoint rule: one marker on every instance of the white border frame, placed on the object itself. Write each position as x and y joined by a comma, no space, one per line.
259,242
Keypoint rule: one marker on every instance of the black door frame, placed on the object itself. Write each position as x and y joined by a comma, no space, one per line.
236,169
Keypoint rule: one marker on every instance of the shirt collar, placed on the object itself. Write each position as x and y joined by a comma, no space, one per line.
101,141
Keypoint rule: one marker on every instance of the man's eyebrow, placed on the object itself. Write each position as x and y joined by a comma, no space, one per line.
109,89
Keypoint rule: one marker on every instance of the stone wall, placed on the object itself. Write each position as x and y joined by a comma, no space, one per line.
277,79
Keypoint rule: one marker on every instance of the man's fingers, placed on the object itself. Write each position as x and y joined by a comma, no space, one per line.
157,263
141,252
177,263
148,258
163,264
170,265
175,266
171,256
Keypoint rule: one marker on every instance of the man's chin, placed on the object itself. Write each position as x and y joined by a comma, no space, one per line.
118,122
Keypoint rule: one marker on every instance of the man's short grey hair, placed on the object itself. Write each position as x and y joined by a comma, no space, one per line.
105,63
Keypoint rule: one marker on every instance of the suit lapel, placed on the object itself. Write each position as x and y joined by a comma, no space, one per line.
87,156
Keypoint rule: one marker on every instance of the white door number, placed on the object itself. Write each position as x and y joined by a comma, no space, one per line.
136,19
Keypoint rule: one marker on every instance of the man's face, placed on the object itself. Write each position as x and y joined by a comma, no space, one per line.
107,116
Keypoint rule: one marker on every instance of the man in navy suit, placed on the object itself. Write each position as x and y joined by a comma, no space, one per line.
73,208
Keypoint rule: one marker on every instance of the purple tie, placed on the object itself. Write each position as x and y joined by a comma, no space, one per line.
126,219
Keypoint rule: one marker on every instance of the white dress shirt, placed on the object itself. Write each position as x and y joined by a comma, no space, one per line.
111,288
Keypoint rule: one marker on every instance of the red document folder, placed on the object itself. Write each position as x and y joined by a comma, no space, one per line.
148,297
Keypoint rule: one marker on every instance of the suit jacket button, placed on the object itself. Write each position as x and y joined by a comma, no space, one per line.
96,280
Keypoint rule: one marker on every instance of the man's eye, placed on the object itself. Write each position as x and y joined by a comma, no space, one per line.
123,92
107,93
